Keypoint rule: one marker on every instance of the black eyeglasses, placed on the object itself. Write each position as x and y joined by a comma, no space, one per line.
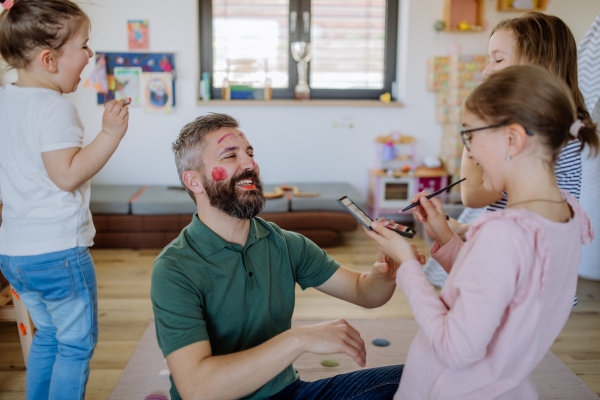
466,134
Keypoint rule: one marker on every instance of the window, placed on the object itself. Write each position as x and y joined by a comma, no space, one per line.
348,38
250,41
353,45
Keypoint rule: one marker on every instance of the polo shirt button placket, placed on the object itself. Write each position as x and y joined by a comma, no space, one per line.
250,272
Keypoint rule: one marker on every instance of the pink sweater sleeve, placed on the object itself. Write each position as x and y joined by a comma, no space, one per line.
485,283
447,254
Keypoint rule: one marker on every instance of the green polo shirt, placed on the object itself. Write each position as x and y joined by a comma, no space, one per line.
205,288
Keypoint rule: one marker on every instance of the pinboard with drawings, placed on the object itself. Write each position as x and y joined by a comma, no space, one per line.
147,78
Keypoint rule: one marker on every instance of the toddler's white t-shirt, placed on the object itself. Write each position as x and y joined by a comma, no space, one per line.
38,217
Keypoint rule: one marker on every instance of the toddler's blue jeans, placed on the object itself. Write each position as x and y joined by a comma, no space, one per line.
61,294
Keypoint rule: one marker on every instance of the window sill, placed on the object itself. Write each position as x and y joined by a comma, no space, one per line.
301,103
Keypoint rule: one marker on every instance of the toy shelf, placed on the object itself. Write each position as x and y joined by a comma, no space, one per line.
505,5
457,12
420,172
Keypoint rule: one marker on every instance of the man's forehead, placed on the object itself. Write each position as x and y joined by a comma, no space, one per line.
222,134
226,137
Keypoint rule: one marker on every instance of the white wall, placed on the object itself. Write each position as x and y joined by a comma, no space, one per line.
291,143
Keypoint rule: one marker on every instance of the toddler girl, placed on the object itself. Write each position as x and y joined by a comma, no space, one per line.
44,172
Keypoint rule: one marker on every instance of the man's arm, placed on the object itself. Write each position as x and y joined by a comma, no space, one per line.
368,289
472,192
199,375
363,289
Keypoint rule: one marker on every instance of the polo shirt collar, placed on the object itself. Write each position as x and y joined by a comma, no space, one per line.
208,242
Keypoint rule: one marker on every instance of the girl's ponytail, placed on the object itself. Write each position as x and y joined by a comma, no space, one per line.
588,135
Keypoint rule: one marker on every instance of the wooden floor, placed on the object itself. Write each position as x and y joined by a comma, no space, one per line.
124,309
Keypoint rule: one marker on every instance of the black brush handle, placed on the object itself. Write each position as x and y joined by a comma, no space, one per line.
434,194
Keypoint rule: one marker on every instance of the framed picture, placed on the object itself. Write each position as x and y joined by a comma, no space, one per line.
157,92
138,35
126,83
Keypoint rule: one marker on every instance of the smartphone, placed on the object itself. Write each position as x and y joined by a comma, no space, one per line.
366,220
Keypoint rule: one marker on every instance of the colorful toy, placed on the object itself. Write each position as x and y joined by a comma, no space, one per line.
464,25
388,152
386,97
156,396
381,342
395,181
330,362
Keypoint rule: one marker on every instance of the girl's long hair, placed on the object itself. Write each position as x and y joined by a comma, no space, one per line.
546,41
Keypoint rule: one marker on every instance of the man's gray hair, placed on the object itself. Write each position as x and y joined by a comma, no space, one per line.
190,144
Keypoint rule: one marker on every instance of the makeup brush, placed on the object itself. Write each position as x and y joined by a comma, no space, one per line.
432,195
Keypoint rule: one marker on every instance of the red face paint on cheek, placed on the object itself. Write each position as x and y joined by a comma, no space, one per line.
219,174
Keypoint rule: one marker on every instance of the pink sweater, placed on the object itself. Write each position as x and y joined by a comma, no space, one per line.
508,295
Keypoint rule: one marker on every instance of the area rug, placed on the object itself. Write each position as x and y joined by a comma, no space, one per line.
147,372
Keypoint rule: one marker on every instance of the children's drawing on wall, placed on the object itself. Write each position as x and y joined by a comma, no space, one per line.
138,34
157,93
98,79
127,83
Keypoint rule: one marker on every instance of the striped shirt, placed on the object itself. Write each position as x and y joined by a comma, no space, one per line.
568,176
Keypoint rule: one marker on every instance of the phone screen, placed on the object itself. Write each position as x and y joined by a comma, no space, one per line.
357,212
366,220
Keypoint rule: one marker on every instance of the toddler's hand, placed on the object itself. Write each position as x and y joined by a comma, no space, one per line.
116,118
458,228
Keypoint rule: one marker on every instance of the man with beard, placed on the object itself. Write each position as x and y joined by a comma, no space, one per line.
223,292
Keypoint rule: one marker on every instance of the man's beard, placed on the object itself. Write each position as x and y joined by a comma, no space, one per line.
233,201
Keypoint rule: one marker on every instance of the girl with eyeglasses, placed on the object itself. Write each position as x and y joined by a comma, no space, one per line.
509,287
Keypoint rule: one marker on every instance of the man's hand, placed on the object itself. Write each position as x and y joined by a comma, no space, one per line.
333,337
385,267
116,118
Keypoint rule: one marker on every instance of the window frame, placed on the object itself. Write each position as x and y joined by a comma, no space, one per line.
301,6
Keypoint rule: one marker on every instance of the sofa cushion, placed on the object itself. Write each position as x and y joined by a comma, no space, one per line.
330,192
112,199
163,200
169,200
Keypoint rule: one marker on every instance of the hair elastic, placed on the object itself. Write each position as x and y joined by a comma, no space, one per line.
575,127
7,4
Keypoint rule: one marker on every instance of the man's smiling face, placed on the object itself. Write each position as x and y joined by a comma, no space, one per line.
231,177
